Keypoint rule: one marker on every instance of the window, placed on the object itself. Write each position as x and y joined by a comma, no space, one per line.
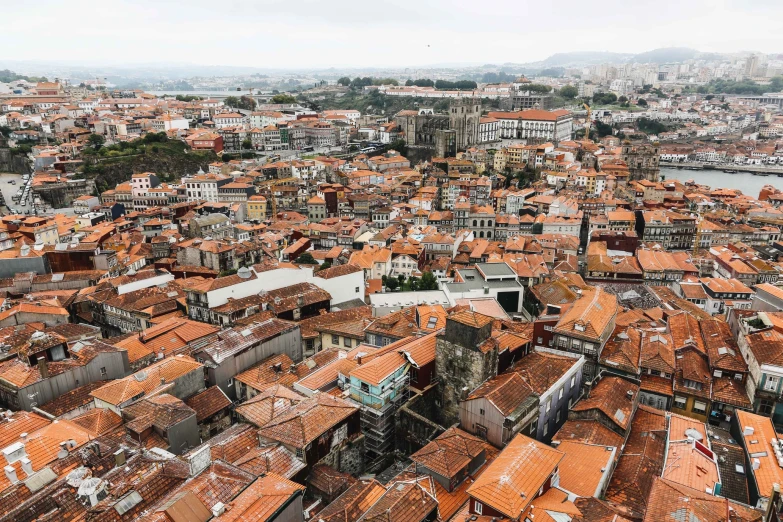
481,411
549,405
477,507
103,371
336,339
680,402
557,415
692,384
560,394
699,407
771,383
356,290
546,429
573,380
347,342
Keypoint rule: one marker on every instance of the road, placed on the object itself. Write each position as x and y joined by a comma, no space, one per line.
9,190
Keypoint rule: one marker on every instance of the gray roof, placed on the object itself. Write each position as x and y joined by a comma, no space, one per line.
212,219
495,269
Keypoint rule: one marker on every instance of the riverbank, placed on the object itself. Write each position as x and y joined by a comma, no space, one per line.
759,170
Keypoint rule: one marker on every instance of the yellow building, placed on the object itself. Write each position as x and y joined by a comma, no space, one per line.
256,208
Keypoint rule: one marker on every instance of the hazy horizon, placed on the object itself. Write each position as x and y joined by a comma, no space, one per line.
349,34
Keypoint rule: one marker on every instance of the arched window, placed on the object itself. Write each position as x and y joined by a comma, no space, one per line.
489,234
482,223
475,223
481,234
489,223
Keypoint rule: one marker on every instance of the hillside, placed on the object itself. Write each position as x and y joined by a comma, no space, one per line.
170,159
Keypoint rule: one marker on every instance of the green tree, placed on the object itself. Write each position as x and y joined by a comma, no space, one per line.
602,129
401,279
392,284
247,144
413,283
641,102
306,259
537,87
344,81
283,98
325,265
604,98
649,126
231,101
569,92
247,103
96,141
428,281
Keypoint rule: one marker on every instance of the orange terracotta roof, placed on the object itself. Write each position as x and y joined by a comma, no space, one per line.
514,478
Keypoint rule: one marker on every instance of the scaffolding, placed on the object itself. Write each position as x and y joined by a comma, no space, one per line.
377,417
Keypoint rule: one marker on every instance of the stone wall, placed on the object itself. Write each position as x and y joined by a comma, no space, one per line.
348,457
417,422
460,370
15,163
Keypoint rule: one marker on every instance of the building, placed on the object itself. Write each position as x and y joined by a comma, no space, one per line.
586,326
643,160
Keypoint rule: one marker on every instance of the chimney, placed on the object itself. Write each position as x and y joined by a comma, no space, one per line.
119,457
43,368
27,466
218,509
10,473
23,436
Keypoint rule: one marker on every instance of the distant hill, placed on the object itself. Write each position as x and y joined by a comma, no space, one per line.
584,58
665,55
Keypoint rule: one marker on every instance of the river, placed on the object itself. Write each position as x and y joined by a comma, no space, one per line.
749,184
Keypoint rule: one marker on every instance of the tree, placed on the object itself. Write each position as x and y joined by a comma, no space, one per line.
602,128
604,98
622,99
401,279
344,81
413,283
641,102
569,91
428,281
247,144
306,259
392,284
649,126
325,265
537,87
247,103
96,141
283,98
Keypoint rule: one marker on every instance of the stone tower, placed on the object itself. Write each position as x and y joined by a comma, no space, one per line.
463,360
643,160
464,118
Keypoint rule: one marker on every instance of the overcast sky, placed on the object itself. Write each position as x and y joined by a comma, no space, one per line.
325,33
